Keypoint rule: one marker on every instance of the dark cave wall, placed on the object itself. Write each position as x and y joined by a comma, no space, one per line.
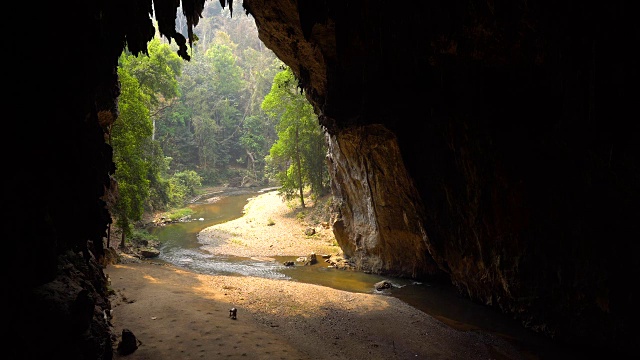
530,209
530,173
64,92
512,121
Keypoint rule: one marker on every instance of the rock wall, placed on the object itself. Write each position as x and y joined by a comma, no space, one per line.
487,137
490,142
379,221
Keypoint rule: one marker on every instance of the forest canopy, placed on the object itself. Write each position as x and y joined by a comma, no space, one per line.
230,116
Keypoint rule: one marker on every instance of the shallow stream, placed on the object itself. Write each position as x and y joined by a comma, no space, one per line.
179,246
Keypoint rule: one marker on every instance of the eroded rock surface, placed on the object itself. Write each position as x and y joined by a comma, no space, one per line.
482,141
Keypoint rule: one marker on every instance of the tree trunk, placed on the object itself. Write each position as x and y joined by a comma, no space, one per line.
299,162
122,241
253,165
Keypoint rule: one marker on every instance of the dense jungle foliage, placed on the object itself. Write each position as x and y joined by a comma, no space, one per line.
231,116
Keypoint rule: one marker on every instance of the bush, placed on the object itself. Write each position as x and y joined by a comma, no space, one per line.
182,185
178,214
142,236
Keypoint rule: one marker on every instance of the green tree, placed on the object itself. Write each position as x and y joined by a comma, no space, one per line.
214,87
183,185
148,84
217,126
228,86
157,75
174,133
253,140
227,74
300,149
130,134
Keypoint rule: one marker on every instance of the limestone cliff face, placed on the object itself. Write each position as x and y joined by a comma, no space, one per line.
380,218
481,140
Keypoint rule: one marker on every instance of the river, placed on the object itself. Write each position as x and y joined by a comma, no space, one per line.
179,246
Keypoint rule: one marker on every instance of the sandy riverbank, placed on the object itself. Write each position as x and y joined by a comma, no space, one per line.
269,227
178,314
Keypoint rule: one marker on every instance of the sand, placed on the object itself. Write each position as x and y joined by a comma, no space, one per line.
178,314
